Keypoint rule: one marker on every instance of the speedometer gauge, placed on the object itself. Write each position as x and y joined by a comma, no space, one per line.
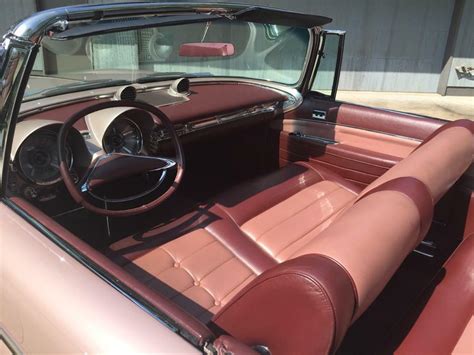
123,136
38,158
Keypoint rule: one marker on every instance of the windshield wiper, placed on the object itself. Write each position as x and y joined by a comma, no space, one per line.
170,76
80,86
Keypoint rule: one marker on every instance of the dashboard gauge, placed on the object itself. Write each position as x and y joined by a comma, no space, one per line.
38,158
123,136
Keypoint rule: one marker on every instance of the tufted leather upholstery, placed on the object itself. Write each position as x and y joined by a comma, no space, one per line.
193,270
298,246
197,266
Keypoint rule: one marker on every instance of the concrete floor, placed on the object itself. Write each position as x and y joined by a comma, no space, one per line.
446,107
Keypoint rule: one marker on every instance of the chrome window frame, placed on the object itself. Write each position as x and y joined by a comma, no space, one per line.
19,59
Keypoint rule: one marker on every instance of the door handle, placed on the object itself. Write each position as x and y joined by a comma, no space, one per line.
319,115
321,140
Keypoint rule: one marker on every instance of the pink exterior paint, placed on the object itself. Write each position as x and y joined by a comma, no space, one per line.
50,303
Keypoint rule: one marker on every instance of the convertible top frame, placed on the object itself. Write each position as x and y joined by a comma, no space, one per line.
56,20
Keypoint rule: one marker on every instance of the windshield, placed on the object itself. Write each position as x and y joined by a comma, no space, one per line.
259,51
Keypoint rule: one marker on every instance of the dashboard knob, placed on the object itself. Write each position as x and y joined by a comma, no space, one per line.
30,193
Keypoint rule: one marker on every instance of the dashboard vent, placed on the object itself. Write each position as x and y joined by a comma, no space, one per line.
128,93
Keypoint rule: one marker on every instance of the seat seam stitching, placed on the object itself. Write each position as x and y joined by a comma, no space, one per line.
217,267
246,263
194,277
297,212
322,222
293,214
189,272
308,165
179,268
192,254
310,183
233,289
214,297
181,293
309,241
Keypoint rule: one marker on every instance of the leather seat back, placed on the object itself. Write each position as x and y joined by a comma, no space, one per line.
302,306
373,237
439,161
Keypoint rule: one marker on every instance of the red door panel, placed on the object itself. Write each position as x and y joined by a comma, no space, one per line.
359,143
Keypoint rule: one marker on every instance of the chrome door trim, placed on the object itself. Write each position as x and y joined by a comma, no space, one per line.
355,127
317,139
9,342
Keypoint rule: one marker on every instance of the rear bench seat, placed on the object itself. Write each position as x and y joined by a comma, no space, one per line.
300,252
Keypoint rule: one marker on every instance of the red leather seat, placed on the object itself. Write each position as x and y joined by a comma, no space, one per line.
298,252
446,323
299,200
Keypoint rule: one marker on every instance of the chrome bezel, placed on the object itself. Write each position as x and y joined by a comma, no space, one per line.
139,140
28,178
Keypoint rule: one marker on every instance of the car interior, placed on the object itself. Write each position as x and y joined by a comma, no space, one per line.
248,215
355,228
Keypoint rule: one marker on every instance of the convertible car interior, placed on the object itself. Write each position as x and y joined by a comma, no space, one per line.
256,217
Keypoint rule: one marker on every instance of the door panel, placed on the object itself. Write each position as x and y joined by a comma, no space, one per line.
359,143
368,118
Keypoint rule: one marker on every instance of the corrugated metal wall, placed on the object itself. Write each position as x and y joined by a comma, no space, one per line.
388,41
392,45
14,10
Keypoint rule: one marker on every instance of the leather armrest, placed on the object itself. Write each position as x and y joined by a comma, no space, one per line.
304,305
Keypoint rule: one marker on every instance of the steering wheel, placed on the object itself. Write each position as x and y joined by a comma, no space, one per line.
107,167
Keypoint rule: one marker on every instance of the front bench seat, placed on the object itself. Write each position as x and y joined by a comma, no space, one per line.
340,253
193,269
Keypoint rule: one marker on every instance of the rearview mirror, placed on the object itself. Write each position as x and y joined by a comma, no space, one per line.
206,49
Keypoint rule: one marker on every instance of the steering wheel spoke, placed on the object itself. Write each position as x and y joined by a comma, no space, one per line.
112,167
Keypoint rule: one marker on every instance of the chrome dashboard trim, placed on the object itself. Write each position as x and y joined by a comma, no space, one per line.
47,103
184,129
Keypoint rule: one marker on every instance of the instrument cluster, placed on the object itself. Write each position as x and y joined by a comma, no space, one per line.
38,158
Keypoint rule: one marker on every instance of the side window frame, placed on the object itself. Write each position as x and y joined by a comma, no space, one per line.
14,74
321,56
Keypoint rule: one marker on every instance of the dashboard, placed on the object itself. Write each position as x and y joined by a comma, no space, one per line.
203,108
